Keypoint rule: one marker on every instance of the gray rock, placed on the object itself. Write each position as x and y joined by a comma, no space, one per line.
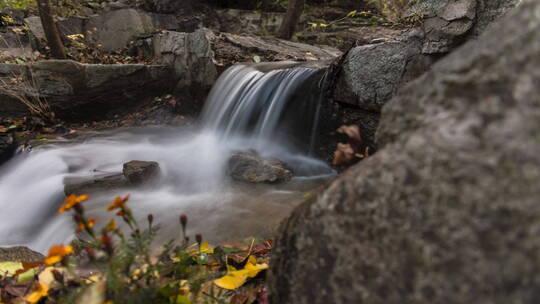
20,254
115,29
252,168
34,24
92,91
98,183
489,10
190,54
251,22
447,210
451,22
372,73
138,172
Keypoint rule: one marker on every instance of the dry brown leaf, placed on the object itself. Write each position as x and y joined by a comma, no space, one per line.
343,155
352,131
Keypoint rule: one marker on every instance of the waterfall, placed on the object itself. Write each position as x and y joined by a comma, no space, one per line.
271,108
279,105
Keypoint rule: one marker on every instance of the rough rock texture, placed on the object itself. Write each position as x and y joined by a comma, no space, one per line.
116,28
138,172
372,73
246,21
20,254
447,211
272,49
252,168
91,91
190,54
7,147
111,30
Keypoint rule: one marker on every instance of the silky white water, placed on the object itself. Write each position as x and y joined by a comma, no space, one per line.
244,111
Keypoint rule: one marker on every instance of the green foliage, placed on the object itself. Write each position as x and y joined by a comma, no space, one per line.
395,11
17,4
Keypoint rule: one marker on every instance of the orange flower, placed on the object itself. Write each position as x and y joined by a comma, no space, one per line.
39,291
89,224
119,203
111,226
71,201
57,253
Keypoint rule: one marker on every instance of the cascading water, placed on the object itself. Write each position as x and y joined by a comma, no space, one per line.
271,108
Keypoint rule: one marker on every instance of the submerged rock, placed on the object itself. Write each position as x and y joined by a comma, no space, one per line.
447,210
20,254
98,183
252,168
138,172
134,173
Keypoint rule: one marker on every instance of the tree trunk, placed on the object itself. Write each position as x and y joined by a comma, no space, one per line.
50,29
288,26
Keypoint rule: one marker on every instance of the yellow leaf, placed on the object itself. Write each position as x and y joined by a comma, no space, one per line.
352,14
323,24
40,290
205,248
10,268
236,278
232,280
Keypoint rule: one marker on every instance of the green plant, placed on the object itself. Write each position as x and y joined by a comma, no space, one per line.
393,11
17,4
112,265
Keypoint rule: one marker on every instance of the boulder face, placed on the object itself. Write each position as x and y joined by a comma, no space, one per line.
138,172
92,91
372,73
252,168
447,210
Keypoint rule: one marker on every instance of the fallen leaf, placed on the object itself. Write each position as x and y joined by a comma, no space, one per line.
236,278
343,155
352,131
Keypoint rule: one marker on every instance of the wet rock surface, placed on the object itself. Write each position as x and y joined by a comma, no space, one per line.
250,167
97,183
134,173
139,172
7,147
447,210
20,254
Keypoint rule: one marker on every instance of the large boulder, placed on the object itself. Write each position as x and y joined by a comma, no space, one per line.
91,91
447,211
371,74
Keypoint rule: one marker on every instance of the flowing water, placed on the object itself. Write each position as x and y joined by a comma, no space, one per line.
273,111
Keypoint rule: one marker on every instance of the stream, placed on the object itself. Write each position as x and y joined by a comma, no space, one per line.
272,110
